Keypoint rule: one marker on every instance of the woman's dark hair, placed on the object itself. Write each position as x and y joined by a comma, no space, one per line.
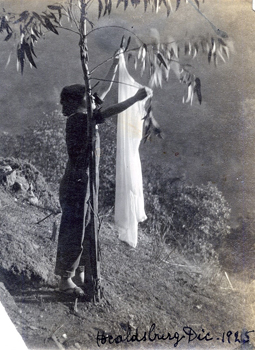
71,98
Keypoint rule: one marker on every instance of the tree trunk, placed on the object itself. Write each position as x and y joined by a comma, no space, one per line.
93,271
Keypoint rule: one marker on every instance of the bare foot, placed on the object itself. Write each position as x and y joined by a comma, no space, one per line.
79,278
66,283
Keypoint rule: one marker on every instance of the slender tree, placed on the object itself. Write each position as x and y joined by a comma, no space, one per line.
156,58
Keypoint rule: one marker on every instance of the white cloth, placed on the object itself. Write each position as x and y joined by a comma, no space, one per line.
10,339
129,200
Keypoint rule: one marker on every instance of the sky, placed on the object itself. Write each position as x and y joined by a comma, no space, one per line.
209,142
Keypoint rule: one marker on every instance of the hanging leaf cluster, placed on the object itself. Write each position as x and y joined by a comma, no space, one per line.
158,59
169,5
150,125
213,47
32,26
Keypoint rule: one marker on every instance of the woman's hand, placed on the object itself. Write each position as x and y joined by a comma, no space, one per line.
141,94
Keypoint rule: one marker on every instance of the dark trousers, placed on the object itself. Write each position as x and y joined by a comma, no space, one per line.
75,233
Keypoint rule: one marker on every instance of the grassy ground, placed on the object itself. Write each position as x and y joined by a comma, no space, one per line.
143,287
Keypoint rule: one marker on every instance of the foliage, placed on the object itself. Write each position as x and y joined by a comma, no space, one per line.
108,132
42,145
155,58
27,27
47,199
192,219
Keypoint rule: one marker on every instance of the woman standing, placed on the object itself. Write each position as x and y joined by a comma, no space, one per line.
73,254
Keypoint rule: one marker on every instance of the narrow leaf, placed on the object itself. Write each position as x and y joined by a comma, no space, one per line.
8,37
168,6
69,15
18,65
119,1
22,32
145,5
161,59
197,2
197,89
143,67
122,41
23,17
36,31
128,42
156,5
196,46
54,7
125,4
54,17
32,49
139,56
177,4
21,57
100,8
33,37
186,48
215,59
135,62
28,53
135,2
221,42
210,55
106,7
3,24
221,56
59,15
29,22
8,61
39,18
91,23
8,29
225,51
50,26
109,7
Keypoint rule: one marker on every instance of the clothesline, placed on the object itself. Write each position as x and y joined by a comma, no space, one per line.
112,81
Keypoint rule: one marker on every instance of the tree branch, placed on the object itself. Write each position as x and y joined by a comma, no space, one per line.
218,31
111,81
70,30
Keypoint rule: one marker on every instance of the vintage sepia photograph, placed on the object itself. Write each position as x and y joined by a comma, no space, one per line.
127,174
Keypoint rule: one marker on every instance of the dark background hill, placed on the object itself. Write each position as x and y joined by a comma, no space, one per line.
212,142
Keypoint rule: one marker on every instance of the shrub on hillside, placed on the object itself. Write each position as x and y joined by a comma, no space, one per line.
42,145
47,199
192,219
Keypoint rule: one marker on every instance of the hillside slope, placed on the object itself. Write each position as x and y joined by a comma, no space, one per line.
140,290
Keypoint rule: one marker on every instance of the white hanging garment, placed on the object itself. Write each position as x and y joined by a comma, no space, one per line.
129,200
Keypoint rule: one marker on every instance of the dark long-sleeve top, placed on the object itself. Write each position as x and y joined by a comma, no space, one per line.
75,178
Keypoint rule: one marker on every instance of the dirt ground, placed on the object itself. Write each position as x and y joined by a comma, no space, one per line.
147,292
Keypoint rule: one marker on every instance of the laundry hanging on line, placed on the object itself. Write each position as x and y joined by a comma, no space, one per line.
129,199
